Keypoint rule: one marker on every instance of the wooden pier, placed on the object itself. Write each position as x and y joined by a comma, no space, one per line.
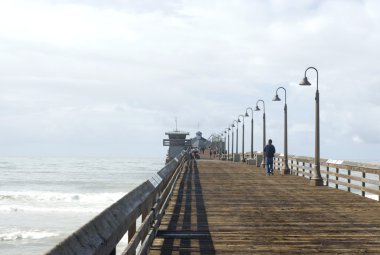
221,207
212,206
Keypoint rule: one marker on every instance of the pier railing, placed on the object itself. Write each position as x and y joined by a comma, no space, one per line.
148,201
359,178
355,177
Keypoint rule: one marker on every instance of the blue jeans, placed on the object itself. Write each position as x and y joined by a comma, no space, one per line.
269,165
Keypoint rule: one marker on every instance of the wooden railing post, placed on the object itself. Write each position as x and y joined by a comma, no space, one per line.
310,170
337,177
291,166
131,231
303,169
282,164
276,164
363,184
349,180
327,175
297,166
145,214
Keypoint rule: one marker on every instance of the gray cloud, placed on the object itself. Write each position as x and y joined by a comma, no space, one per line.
108,77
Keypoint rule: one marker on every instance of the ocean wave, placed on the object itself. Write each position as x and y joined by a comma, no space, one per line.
31,234
56,209
374,197
45,202
46,196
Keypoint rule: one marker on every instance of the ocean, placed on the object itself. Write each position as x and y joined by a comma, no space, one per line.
43,200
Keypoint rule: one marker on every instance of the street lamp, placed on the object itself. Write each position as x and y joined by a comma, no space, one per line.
246,115
232,141
285,169
242,146
220,144
228,145
316,178
264,139
234,156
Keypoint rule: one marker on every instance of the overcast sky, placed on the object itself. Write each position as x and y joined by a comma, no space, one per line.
108,77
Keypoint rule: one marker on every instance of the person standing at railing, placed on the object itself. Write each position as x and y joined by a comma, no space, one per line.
269,151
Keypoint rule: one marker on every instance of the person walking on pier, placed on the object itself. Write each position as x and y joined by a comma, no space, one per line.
269,151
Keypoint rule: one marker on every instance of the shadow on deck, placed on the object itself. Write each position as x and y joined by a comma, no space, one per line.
232,208
188,223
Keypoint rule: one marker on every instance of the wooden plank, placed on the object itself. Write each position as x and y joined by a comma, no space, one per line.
236,209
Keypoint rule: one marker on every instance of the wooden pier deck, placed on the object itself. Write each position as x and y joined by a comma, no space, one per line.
222,207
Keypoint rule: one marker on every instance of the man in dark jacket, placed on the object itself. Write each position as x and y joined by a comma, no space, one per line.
269,151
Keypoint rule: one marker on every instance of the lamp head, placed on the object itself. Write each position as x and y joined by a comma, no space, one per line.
304,82
233,125
257,108
246,114
276,98
238,120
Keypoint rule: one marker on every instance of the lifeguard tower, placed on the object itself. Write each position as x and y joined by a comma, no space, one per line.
177,142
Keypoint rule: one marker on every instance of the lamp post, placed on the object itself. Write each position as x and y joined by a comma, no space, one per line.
220,145
242,143
234,157
316,178
228,143
232,140
246,115
264,139
221,150
285,169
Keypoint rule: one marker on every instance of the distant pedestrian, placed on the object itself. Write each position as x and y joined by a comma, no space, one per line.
269,151
210,152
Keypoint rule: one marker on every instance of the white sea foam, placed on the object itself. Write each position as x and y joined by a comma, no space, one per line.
31,234
56,209
374,197
38,201
43,196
